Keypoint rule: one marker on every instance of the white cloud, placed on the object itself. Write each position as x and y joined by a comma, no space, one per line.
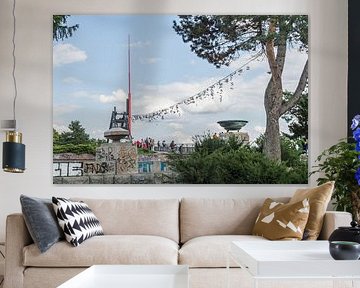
176,126
116,96
81,94
181,137
293,68
246,95
214,128
71,80
60,128
258,62
284,126
97,134
205,107
64,109
259,129
66,54
156,97
294,63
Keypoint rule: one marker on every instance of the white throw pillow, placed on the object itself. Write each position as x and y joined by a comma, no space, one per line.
77,220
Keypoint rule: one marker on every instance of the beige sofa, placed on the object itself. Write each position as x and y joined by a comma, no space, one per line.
194,232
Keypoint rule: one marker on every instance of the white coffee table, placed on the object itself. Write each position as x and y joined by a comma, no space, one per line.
287,260
131,276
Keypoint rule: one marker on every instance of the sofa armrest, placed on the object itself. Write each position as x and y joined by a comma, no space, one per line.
17,237
333,220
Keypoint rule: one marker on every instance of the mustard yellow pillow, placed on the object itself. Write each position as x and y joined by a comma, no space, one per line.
279,221
319,198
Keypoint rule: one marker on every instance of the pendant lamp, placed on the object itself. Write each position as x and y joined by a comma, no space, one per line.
13,157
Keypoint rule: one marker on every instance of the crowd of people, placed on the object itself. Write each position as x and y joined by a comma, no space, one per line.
149,144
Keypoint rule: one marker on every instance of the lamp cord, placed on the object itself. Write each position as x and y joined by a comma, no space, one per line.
14,58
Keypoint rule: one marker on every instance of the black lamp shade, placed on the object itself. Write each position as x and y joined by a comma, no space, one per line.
13,157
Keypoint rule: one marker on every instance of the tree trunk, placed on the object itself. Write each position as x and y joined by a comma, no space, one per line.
273,96
273,99
272,148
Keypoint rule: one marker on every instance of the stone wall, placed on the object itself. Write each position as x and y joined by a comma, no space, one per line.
111,159
137,178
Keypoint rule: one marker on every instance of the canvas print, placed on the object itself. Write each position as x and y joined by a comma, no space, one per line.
180,99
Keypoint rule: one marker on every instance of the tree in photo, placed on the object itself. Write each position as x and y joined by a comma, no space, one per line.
220,39
76,135
75,140
61,30
217,161
297,118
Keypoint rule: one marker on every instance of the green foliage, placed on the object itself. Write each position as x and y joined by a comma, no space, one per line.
75,141
205,144
88,148
56,137
292,152
339,163
76,135
60,30
220,38
297,117
217,161
142,151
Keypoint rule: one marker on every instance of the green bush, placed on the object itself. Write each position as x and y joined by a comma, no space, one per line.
217,161
292,152
89,148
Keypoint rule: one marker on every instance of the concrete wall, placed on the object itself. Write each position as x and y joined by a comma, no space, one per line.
328,68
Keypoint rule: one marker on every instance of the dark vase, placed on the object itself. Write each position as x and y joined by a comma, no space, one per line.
344,233
344,250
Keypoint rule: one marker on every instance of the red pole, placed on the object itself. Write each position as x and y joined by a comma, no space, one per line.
129,92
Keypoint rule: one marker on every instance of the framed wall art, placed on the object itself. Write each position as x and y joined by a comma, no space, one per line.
180,99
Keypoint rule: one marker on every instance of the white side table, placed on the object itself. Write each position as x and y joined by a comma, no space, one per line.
131,276
294,263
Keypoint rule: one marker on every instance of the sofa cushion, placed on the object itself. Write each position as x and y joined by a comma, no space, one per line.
201,217
41,221
107,249
319,198
279,221
77,220
211,251
158,217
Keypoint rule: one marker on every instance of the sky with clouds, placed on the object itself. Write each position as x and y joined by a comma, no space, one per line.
90,77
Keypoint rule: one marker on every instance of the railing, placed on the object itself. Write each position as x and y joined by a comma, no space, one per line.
179,148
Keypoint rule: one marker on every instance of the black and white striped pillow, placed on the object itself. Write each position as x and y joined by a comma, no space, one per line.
77,220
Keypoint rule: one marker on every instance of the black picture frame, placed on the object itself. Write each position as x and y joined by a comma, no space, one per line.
353,62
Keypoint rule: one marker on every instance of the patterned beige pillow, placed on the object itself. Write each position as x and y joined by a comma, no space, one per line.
279,221
319,198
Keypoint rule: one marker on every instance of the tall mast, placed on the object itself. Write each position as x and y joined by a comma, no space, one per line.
129,92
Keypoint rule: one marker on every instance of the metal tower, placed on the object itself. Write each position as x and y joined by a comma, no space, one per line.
120,122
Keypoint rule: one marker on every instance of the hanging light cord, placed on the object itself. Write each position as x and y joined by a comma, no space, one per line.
14,58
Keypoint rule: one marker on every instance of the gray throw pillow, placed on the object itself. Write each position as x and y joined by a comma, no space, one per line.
41,221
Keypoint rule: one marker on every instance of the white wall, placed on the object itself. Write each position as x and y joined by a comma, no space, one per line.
328,69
